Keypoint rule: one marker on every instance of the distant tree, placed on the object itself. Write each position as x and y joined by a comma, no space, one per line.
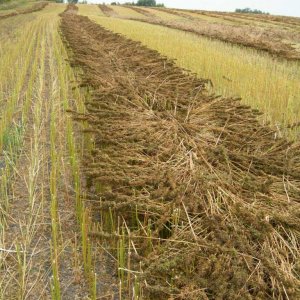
73,1
146,3
248,10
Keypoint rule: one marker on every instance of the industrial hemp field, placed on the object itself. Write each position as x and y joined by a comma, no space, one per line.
148,153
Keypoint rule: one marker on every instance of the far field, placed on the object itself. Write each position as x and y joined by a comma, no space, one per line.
148,153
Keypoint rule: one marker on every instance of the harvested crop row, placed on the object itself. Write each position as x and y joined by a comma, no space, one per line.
175,13
109,12
264,40
142,11
266,19
275,40
219,192
34,8
283,20
8,15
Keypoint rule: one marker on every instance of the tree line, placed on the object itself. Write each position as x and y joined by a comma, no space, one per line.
250,11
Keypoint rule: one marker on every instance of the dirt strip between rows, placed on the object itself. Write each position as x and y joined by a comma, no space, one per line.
209,195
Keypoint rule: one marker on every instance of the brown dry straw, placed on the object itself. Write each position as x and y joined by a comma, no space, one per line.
167,150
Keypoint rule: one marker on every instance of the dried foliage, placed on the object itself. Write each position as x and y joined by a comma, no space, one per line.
168,150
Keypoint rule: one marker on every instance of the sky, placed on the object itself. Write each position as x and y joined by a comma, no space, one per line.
277,7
